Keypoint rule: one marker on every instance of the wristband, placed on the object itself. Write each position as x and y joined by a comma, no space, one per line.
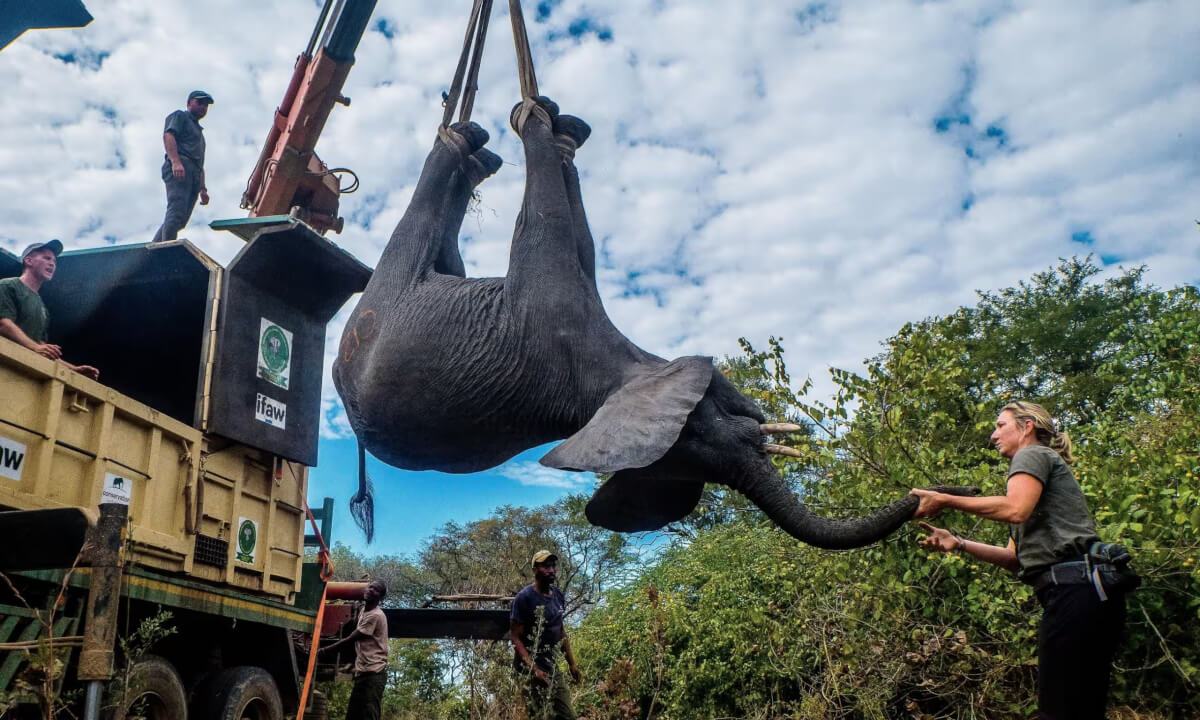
961,544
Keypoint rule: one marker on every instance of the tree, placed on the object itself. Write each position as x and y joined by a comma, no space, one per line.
743,621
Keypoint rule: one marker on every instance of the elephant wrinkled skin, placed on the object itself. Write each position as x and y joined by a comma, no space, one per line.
443,372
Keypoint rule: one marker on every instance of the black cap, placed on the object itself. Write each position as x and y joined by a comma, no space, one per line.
200,95
54,246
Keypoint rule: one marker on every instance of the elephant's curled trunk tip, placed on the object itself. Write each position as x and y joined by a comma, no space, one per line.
774,498
362,504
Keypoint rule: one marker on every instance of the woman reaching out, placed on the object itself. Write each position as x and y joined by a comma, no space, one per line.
1051,534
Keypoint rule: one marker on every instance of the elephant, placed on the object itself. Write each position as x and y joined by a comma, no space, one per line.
438,371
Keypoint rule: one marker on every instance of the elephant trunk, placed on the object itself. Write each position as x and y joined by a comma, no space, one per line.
768,491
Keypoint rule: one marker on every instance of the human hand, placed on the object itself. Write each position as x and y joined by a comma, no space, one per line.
575,674
87,371
204,196
932,503
541,677
939,539
177,170
47,350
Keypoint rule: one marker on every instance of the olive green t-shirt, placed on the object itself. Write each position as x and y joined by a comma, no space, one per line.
24,307
1060,528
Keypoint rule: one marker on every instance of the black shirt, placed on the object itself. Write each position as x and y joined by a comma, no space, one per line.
189,136
542,617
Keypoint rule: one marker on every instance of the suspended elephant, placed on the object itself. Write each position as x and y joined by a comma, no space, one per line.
438,371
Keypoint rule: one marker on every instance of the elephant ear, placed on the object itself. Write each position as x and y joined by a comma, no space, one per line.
638,423
643,499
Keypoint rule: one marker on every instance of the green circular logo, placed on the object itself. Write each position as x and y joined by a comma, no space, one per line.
274,348
247,537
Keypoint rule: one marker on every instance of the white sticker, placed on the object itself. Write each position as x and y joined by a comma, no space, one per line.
272,412
247,540
116,489
12,459
274,353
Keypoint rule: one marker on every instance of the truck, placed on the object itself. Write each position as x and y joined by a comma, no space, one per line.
154,523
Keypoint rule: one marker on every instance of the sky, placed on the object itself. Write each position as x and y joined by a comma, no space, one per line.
822,172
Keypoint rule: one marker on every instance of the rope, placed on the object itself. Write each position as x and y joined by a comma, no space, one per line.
312,657
529,88
466,75
473,50
326,576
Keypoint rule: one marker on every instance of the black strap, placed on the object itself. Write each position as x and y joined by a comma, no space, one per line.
466,82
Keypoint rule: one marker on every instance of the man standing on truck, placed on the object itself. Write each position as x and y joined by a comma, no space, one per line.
183,167
23,316
538,635
370,638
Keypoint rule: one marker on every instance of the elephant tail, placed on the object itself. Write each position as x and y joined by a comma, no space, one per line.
362,504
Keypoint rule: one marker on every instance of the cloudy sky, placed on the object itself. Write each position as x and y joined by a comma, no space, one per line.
818,171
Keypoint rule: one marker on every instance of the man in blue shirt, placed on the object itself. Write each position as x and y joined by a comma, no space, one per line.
183,166
538,635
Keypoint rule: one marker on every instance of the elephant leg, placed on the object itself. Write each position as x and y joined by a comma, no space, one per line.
476,168
569,134
543,244
434,211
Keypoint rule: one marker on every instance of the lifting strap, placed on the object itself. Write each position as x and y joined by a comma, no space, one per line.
466,76
477,28
326,576
529,88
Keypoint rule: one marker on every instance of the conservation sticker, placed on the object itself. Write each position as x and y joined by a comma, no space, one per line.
272,412
12,459
274,353
116,489
247,540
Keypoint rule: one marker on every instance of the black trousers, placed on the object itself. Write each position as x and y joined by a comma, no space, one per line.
1077,639
181,199
366,698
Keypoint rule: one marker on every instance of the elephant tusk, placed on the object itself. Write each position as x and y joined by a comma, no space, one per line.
773,428
782,450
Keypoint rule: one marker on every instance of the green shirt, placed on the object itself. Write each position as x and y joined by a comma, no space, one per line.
24,307
1060,528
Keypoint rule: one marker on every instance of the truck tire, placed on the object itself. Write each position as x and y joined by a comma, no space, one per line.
318,707
240,693
154,692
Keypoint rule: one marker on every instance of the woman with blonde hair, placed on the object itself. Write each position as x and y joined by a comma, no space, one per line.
1052,546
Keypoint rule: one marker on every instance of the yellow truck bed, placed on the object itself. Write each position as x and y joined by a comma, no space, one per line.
200,506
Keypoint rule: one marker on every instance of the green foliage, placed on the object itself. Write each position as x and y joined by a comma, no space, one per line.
744,622
474,679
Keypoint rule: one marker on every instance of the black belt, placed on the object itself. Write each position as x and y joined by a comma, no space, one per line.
1076,572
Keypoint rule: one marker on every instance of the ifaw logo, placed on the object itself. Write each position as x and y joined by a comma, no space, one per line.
272,412
12,459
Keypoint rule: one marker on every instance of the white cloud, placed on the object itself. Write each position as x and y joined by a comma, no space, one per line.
531,473
754,169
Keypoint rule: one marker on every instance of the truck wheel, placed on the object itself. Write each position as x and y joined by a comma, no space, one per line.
241,693
318,707
154,692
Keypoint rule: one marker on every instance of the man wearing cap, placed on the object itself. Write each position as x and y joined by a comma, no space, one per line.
183,168
537,632
370,638
23,316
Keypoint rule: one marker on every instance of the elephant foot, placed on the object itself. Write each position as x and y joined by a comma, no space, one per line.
463,137
481,165
541,107
570,133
